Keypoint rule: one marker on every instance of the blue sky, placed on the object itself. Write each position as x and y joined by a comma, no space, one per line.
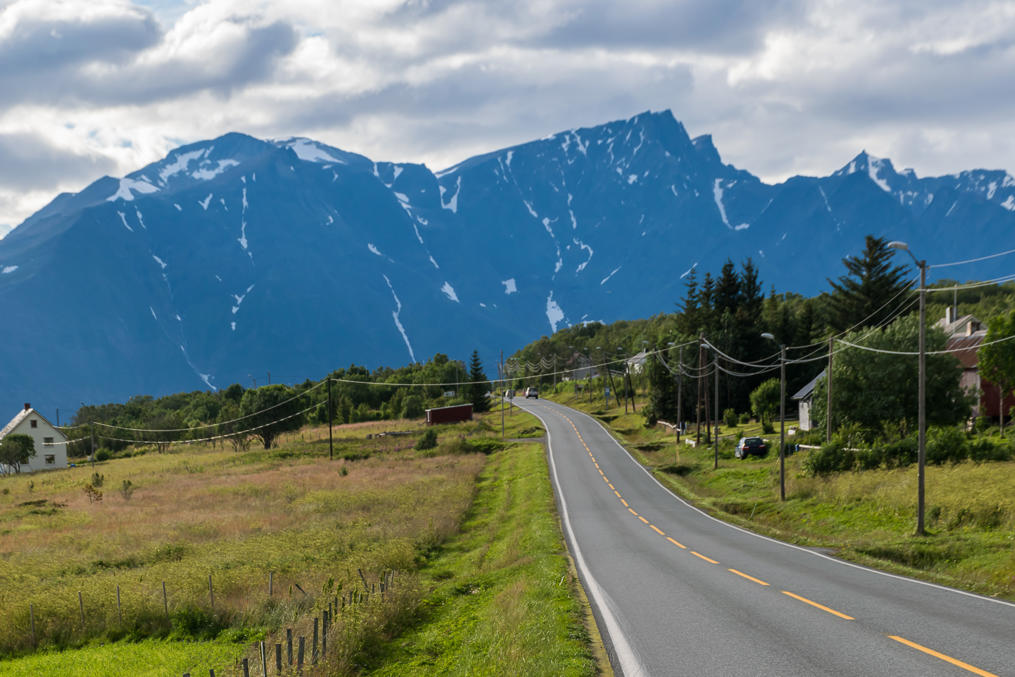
93,87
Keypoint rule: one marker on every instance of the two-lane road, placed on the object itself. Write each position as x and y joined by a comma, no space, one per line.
678,592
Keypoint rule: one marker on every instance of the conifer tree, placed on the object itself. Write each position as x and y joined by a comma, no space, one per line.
864,297
477,388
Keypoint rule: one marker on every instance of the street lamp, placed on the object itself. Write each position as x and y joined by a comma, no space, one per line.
782,416
922,380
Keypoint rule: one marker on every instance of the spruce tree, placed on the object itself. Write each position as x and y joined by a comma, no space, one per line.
477,386
866,296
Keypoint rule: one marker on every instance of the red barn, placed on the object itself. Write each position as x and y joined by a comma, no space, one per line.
453,414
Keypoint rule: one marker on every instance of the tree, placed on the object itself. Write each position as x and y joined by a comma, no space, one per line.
271,410
662,404
477,388
870,389
864,296
997,361
15,450
765,400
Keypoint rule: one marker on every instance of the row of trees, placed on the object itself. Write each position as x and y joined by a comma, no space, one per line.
239,415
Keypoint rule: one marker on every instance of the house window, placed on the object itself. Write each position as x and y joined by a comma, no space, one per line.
34,424
50,459
47,441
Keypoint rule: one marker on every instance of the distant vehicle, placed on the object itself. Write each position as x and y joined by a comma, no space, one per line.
532,392
751,445
509,393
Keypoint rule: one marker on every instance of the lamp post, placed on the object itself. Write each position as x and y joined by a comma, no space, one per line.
782,416
922,387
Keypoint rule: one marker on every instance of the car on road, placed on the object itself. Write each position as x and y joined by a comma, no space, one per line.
532,392
749,446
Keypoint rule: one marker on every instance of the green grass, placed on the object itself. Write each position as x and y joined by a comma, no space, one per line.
504,600
868,517
139,659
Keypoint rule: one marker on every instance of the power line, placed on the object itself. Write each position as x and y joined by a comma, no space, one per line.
928,352
976,260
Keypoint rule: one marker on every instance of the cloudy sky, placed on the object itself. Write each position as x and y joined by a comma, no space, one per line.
93,87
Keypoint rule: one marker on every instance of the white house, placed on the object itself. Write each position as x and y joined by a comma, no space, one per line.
50,443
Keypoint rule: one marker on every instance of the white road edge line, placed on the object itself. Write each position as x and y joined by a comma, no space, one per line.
630,666
783,543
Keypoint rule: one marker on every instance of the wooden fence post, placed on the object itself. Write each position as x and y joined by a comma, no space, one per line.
278,658
289,644
246,667
313,651
299,656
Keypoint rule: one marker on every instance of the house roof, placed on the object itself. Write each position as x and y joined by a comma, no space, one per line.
638,358
967,324
966,347
809,388
21,416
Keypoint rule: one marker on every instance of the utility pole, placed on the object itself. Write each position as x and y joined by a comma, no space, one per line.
697,408
331,416
680,393
630,387
828,392
502,395
715,364
708,422
782,422
922,415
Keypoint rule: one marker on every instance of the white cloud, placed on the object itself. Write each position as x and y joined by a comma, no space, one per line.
784,87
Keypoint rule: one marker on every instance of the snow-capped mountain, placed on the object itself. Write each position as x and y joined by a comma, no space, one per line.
234,257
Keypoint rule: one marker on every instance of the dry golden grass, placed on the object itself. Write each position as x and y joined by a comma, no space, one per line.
235,516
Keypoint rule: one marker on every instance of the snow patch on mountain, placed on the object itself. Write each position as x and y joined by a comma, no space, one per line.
159,261
585,247
509,286
7,270
553,313
210,172
398,324
451,204
140,219
1009,204
128,187
449,291
123,219
205,202
311,151
434,262
717,192
373,249
875,167
612,273
180,163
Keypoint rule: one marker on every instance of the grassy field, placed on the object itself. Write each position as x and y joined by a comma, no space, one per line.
868,517
313,523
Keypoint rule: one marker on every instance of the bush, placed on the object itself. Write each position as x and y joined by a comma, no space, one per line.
831,457
103,454
767,428
97,480
730,417
427,441
986,449
946,444
900,453
744,418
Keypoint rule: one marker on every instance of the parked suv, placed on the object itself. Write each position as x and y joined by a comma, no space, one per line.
532,392
751,445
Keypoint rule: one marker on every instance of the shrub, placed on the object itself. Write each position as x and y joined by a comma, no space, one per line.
986,449
744,418
97,480
831,457
767,428
428,440
103,454
730,417
946,444
127,489
900,453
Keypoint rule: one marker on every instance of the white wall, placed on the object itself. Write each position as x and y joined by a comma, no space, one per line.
43,429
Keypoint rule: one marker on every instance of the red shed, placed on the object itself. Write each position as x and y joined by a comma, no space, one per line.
453,414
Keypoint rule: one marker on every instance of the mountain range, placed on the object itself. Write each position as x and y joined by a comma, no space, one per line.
236,257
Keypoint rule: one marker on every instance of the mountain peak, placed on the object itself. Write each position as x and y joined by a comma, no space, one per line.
880,170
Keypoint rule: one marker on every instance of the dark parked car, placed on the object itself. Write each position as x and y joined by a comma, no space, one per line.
532,392
751,445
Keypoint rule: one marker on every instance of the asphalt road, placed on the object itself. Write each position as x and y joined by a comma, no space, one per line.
677,592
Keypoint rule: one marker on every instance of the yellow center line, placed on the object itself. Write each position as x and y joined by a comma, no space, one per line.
643,519
656,529
631,510
707,559
818,606
612,487
617,493
676,543
625,503
948,659
606,478
750,578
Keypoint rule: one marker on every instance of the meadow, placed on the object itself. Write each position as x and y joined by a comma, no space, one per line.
474,514
867,517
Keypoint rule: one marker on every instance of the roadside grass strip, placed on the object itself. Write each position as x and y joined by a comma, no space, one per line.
503,600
